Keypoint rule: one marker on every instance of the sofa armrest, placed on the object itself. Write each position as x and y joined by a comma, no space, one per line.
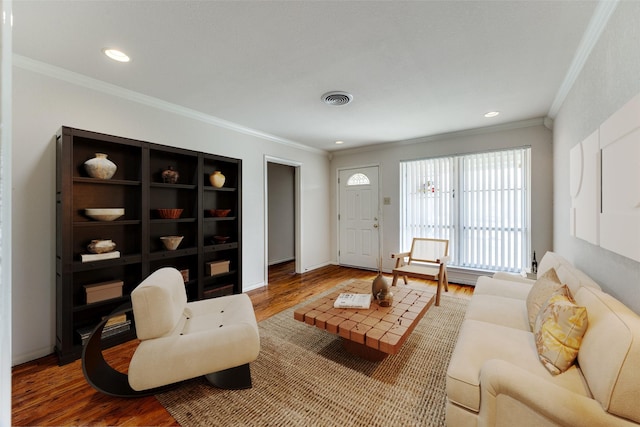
555,404
512,277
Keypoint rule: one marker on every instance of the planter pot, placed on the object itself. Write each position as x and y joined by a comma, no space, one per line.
100,167
217,179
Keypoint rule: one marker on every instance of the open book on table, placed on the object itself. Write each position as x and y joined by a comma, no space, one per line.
348,300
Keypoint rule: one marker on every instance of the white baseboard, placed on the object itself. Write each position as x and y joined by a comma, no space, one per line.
252,287
461,276
280,261
314,267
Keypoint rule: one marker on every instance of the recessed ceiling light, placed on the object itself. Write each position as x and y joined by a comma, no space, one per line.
491,114
116,55
339,142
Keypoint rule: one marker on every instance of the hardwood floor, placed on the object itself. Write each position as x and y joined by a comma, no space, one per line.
45,394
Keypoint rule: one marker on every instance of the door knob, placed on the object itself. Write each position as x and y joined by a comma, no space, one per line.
375,225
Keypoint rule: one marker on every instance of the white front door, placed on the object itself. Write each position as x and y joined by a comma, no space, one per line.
358,217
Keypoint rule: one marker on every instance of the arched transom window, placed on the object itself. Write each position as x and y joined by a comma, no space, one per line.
358,179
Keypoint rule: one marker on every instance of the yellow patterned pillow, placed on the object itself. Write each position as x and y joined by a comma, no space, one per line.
540,293
558,330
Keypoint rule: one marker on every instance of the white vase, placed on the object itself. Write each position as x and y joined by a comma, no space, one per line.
100,167
217,179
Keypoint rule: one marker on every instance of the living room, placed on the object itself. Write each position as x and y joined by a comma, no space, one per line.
46,97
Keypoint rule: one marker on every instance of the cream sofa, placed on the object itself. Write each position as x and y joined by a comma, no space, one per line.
495,377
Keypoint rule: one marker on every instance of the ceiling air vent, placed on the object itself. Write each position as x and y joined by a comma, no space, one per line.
337,98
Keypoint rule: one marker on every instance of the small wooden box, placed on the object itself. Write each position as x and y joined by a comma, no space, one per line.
103,291
218,267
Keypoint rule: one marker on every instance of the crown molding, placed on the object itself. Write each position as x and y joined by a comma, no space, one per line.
601,15
130,95
539,121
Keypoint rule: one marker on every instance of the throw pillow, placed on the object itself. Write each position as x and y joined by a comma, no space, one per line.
558,330
540,292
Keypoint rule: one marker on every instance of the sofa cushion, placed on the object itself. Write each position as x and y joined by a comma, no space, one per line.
540,292
558,330
610,353
504,311
479,342
512,277
574,278
550,260
505,286
221,311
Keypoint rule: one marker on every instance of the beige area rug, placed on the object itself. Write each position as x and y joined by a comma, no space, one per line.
304,377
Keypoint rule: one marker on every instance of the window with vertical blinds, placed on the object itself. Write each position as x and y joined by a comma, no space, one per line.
479,202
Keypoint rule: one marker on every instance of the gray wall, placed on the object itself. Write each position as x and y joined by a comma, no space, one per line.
42,103
281,223
610,78
530,133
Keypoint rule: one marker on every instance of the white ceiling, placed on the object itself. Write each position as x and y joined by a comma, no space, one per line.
415,69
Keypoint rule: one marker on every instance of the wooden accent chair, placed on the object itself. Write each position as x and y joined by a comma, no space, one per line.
427,260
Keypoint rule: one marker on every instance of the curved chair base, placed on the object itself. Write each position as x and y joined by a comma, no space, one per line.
237,378
100,375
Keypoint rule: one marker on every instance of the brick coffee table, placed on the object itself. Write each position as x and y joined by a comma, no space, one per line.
375,333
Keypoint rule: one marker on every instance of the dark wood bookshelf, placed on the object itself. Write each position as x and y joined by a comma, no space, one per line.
138,187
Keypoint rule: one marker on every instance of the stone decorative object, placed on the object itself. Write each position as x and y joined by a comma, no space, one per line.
101,246
217,179
100,167
170,175
171,242
380,288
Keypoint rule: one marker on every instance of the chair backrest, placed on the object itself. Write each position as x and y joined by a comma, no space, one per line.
158,303
428,250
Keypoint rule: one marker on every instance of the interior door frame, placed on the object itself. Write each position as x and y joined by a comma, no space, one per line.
297,167
338,209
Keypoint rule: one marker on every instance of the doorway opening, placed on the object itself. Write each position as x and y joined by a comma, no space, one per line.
282,222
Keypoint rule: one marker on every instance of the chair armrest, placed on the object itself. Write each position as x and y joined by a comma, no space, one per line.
554,403
400,255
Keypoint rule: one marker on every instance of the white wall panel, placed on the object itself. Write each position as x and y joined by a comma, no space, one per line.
585,189
620,144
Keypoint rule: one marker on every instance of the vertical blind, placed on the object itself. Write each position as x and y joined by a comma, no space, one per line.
479,202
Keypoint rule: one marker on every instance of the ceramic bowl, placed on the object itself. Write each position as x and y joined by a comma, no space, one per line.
220,239
171,242
169,213
104,214
219,212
